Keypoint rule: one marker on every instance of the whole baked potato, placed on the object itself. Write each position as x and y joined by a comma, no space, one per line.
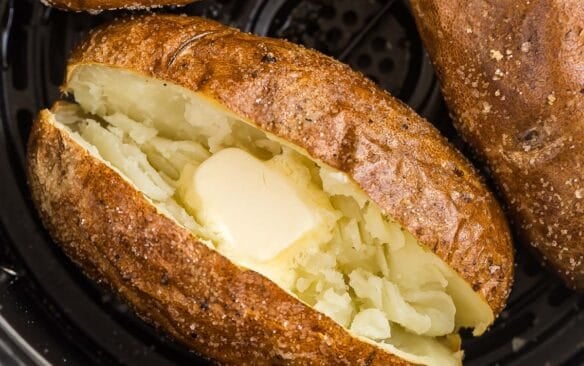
263,203
100,5
512,73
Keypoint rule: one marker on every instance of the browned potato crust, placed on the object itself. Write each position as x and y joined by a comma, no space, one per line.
99,5
307,99
513,74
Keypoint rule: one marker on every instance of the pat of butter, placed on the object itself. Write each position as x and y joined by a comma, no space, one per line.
255,209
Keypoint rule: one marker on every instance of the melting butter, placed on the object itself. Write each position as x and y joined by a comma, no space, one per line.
255,209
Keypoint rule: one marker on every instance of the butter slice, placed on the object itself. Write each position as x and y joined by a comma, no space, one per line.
255,209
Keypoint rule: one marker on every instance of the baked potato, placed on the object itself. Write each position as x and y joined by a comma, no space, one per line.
513,76
100,5
263,203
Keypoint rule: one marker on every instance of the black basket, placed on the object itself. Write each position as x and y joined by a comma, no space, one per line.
51,314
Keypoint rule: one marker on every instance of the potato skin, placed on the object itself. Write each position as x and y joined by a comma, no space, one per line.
512,73
99,5
221,311
201,298
336,115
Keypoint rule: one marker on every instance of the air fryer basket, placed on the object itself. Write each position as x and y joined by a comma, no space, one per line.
50,313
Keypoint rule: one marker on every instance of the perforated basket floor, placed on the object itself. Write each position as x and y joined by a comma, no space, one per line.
51,314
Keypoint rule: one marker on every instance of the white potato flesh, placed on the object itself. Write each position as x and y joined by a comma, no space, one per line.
371,323
362,269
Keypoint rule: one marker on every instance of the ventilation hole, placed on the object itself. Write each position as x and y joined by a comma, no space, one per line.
363,61
379,44
558,296
350,18
18,60
334,35
328,12
523,322
531,267
386,65
404,43
24,120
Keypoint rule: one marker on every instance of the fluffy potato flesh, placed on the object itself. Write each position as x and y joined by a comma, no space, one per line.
316,233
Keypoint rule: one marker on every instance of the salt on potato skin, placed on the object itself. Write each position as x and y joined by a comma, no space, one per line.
531,136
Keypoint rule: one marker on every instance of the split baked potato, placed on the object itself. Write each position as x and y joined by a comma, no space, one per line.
513,76
100,5
263,203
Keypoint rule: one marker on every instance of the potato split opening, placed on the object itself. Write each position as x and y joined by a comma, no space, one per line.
267,206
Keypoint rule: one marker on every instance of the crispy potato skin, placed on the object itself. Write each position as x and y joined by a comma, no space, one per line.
177,283
232,315
338,117
99,5
526,121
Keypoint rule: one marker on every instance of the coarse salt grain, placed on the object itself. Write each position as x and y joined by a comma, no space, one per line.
495,54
